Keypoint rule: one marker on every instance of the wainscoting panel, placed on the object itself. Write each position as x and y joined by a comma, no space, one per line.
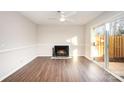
46,49
13,59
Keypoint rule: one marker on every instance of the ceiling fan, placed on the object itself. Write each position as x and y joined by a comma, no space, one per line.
64,16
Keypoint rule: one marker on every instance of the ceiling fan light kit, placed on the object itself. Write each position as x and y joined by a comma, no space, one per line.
62,19
63,16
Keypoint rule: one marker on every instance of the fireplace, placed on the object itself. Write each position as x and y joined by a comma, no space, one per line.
61,51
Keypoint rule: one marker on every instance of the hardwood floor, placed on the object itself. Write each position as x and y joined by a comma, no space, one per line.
45,69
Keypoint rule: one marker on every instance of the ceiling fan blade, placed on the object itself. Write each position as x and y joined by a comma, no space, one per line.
52,18
70,21
70,14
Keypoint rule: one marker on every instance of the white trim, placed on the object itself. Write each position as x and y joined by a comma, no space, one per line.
110,19
44,55
51,55
14,49
61,57
52,44
115,75
121,79
10,73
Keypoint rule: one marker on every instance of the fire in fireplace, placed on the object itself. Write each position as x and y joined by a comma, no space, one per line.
60,51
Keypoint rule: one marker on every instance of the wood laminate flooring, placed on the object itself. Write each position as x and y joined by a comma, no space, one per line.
45,69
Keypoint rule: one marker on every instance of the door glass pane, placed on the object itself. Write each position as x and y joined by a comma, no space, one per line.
116,47
98,44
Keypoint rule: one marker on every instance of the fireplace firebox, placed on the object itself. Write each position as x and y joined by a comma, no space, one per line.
60,51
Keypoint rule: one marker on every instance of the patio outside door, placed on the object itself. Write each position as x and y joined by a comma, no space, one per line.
100,45
108,46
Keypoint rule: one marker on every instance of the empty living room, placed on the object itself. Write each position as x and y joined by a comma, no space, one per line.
61,46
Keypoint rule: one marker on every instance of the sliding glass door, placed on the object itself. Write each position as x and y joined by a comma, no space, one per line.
116,47
98,44
108,46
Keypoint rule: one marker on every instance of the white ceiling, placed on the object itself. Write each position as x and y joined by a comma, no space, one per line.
52,17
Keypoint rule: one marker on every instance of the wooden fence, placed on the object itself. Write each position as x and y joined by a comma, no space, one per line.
116,48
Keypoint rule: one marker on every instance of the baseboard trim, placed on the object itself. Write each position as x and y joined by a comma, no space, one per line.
118,77
61,57
51,55
115,75
10,73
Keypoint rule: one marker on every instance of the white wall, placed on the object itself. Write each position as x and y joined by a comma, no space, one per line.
17,42
19,38
61,35
105,17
